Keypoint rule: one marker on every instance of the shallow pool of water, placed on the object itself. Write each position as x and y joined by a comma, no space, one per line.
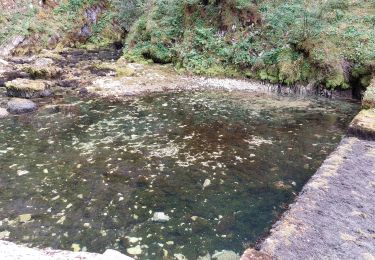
222,165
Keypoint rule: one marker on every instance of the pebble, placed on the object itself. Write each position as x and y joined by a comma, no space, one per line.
206,183
160,217
134,240
22,172
76,247
24,218
137,250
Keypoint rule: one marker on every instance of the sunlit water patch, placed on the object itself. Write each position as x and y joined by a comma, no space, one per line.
220,167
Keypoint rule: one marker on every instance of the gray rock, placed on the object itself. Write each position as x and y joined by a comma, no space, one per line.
20,106
7,48
3,112
43,62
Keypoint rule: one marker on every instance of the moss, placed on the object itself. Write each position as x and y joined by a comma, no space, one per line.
25,88
42,72
270,74
368,101
125,72
363,125
336,81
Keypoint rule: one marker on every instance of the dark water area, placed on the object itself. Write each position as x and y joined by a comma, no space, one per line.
222,166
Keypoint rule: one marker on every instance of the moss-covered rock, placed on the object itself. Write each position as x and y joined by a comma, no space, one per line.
363,125
26,88
368,101
42,68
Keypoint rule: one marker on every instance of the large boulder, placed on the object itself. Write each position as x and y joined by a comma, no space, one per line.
42,68
26,88
8,47
21,106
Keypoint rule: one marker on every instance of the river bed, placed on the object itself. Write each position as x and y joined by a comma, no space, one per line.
222,166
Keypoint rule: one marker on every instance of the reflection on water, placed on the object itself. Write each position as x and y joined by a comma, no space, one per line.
221,165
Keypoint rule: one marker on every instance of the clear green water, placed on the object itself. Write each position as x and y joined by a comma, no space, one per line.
95,173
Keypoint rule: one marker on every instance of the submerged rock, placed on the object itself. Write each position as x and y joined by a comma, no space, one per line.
252,254
113,254
226,255
160,217
205,257
24,218
180,257
200,224
226,224
26,88
20,106
3,112
206,183
137,250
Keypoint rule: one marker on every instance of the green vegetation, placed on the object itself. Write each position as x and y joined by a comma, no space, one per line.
329,43
291,42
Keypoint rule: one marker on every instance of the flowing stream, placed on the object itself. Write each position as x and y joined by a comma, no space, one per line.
90,174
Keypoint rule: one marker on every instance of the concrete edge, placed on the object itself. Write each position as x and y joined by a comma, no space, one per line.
362,127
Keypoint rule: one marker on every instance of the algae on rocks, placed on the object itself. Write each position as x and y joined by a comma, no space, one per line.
42,68
26,88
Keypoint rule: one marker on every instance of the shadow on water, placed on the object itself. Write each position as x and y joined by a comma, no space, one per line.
222,165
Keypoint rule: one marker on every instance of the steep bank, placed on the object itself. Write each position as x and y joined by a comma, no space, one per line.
321,43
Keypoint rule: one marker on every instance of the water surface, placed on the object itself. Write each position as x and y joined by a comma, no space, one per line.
222,165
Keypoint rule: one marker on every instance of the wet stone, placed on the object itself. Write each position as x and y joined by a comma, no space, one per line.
3,112
21,106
